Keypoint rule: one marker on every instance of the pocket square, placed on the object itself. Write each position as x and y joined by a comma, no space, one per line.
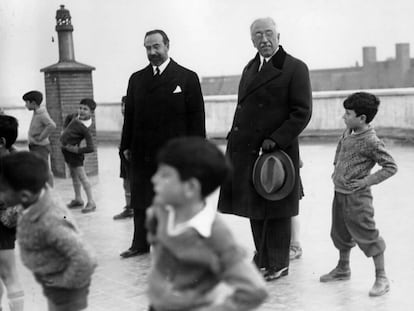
177,89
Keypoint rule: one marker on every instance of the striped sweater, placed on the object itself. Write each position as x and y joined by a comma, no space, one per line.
356,155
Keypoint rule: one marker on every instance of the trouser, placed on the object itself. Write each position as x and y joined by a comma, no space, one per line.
272,249
353,223
139,241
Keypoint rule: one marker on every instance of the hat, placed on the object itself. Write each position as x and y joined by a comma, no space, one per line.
88,102
35,96
273,175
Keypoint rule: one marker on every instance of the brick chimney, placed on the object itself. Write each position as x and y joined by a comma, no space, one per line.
66,83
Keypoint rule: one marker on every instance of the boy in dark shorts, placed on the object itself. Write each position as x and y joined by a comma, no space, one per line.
8,271
196,262
358,151
75,130
50,243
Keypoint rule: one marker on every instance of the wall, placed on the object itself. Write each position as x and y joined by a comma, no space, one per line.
395,117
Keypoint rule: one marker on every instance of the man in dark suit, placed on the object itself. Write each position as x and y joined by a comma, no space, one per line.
274,106
163,101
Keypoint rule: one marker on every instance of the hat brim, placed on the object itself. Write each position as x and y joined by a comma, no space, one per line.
288,183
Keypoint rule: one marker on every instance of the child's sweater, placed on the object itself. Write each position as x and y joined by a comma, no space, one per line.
356,155
192,272
51,245
74,132
40,127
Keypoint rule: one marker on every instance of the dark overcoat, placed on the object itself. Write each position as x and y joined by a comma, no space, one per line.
274,103
156,110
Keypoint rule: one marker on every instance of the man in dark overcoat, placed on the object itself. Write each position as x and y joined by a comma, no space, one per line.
164,101
274,106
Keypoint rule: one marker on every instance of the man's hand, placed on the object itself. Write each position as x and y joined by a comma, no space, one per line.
358,184
127,154
268,145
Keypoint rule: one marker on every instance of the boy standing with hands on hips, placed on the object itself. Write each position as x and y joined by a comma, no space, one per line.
358,150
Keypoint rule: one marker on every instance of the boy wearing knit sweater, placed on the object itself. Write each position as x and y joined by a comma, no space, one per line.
50,243
76,129
196,263
357,152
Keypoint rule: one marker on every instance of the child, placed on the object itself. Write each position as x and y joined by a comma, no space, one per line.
128,211
75,130
50,243
352,212
197,264
40,128
8,271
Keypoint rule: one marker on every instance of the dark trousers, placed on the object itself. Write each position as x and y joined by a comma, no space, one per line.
272,249
139,241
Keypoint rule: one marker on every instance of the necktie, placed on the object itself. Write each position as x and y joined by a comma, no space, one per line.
262,64
157,71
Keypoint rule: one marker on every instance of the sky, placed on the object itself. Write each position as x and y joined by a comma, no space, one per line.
210,37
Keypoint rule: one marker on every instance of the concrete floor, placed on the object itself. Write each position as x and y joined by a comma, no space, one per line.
120,284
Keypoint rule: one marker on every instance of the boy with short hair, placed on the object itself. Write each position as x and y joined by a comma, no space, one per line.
8,217
50,243
358,151
76,128
41,126
196,263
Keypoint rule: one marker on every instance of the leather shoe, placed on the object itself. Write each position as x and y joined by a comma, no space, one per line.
133,252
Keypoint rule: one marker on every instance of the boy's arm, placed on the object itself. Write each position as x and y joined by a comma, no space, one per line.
245,285
380,156
383,159
89,143
49,127
65,240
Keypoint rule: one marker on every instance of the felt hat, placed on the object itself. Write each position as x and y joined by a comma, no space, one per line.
273,175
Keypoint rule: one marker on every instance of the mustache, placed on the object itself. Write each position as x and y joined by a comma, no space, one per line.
154,57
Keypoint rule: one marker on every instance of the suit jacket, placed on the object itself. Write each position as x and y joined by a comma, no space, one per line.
156,110
274,103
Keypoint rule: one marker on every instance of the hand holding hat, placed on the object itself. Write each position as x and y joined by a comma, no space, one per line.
268,145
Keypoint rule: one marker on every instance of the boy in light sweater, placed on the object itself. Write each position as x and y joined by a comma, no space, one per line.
196,263
41,126
358,151
50,243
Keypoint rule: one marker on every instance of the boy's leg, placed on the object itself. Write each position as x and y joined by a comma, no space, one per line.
90,206
128,210
342,240
381,284
295,248
8,274
362,227
44,153
76,183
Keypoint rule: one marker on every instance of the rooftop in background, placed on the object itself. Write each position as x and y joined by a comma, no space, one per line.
395,72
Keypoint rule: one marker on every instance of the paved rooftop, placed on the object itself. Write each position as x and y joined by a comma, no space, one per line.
120,284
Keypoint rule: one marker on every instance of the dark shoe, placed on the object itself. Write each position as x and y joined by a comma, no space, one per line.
337,274
75,204
381,286
273,274
295,252
126,213
133,252
89,208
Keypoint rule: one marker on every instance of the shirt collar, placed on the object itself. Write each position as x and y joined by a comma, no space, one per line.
267,58
202,222
161,67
